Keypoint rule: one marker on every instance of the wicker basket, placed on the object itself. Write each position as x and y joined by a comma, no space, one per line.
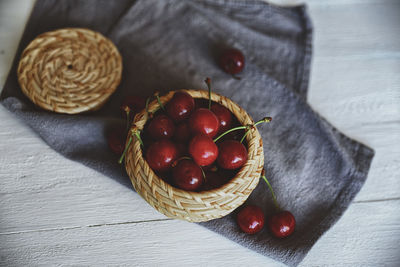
195,206
70,70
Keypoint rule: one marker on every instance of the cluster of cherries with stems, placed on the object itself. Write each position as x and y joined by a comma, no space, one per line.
251,218
231,61
179,145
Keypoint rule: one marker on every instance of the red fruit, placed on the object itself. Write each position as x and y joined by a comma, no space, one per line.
250,219
180,106
232,61
161,154
204,121
161,127
282,224
224,116
116,141
135,103
213,180
203,150
182,149
187,175
232,154
182,132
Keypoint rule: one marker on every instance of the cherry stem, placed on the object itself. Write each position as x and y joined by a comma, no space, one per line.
208,82
147,104
159,101
128,118
126,149
181,158
248,127
270,189
204,174
244,136
137,135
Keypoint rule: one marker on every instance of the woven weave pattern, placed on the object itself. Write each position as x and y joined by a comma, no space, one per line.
70,70
195,206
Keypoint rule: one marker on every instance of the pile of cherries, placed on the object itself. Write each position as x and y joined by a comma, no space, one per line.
178,145
178,142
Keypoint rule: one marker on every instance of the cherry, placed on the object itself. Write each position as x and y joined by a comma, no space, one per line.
161,154
282,224
134,102
204,121
232,154
224,116
182,149
213,180
161,127
116,140
250,219
182,132
180,106
203,150
232,61
187,175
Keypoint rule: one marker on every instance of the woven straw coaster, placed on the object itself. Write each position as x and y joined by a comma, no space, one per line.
70,70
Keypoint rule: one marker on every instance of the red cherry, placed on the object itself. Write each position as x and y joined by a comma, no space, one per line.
161,155
282,224
182,149
180,106
213,180
134,102
116,141
161,127
182,133
187,175
203,150
250,219
232,61
232,154
204,121
224,116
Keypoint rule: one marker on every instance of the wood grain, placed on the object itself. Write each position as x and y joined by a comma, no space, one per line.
167,242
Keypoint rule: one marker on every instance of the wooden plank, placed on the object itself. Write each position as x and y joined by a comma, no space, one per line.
360,29
13,17
175,242
353,92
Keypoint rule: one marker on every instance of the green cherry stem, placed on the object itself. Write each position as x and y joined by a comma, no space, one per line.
159,101
128,118
247,127
204,174
244,136
126,149
270,189
208,82
137,135
147,104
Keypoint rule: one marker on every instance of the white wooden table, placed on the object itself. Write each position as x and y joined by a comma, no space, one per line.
57,212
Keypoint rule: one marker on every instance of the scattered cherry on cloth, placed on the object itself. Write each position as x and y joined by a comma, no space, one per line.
251,219
232,61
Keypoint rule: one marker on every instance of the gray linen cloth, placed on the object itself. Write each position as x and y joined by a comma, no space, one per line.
316,171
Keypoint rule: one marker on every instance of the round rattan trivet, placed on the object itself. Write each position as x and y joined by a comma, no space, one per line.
70,70
195,206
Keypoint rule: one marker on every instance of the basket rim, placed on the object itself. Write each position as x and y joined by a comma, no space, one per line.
154,105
